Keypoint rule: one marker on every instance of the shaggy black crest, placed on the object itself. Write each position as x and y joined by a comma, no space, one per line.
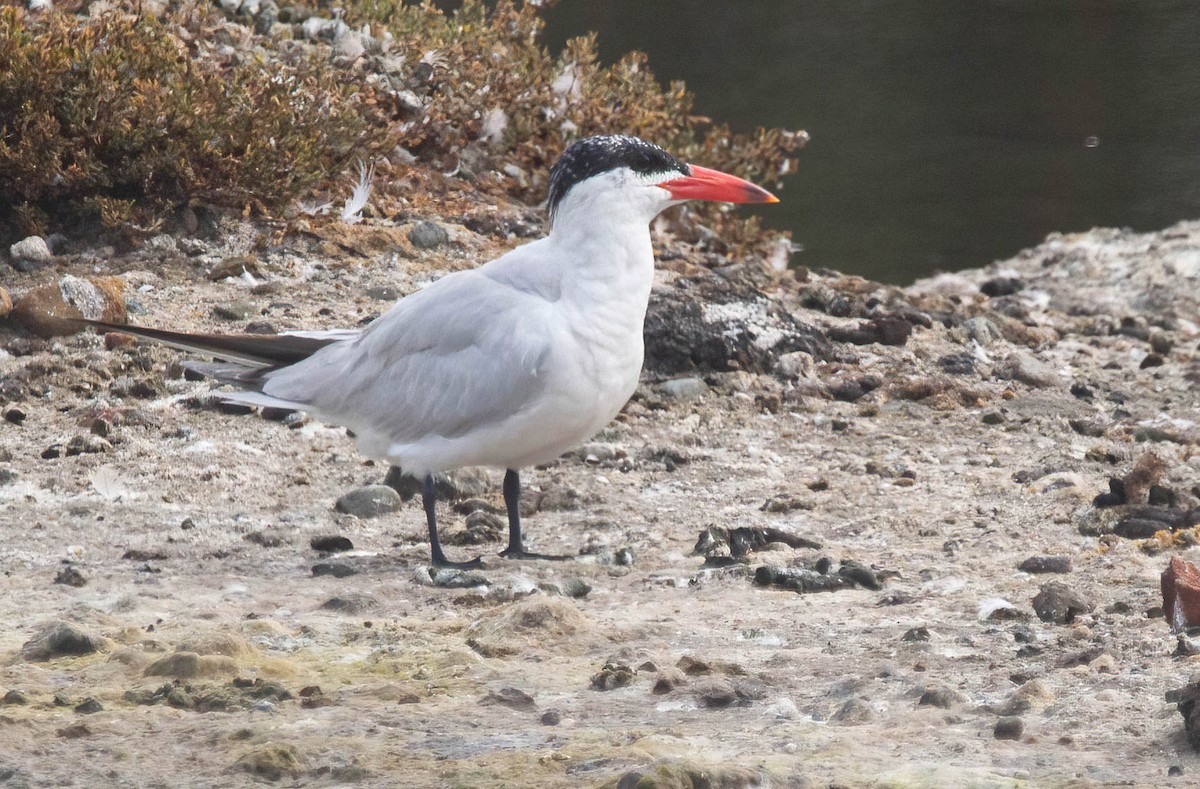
594,155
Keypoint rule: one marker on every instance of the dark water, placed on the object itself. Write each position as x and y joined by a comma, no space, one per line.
945,133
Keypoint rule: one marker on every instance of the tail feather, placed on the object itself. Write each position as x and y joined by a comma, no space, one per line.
264,350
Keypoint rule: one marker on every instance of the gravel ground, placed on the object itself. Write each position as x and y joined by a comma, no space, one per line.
167,621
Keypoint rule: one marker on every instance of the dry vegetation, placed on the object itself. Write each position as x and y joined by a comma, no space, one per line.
126,114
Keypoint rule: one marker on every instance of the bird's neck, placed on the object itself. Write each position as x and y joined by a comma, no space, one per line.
605,257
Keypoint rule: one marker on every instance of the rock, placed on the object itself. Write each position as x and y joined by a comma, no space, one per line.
6,304
350,603
51,310
684,389
236,311
942,696
551,718
29,253
370,501
59,639
1009,727
383,293
796,364
576,588
853,712
1059,603
982,330
1181,594
613,675
272,761
88,706
14,697
1023,367
69,576
722,324
333,543
1046,564
716,693
428,235
189,665
334,569
885,331
455,485
74,731
454,578
510,697
1001,286
528,624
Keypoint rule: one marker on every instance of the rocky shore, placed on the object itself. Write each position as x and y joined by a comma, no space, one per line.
846,534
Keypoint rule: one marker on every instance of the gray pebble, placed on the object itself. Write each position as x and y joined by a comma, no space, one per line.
1059,603
88,706
684,388
551,718
452,578
28,253
428,235
1021,366
942,696
853,712
1008,728
15,697
1046,564
370,501
58,639
236,311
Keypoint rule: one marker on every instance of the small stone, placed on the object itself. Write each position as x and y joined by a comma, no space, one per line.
272,761
982,330
1001,286
334,569
52,310
74,731
1180,584
464,483
58,639
1008,728
350,604
332,543
428,235
551,718
454,578
69,576
942,696
668,682
5,304
693,667
853,712
1161,343
383,293
236,311
1046,564
14,697
28,253
510,697
576,588
916,635
1021,366
88,706
613,675
14,415
87,444
1059,603
684,388
180,699
370,501
993,418
716,693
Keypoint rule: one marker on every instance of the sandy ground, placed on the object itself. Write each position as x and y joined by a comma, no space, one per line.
191,532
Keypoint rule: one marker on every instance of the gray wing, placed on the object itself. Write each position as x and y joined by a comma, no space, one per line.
464,352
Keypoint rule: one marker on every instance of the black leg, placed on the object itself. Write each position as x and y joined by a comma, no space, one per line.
512,503
429,499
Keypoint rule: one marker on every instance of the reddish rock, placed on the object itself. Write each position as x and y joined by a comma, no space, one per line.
5,303
47,310
1181,594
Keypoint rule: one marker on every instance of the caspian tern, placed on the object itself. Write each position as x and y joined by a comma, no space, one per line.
506,365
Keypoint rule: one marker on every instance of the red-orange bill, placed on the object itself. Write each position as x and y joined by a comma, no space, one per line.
706,184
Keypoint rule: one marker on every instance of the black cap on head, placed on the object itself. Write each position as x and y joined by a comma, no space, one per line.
594,155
